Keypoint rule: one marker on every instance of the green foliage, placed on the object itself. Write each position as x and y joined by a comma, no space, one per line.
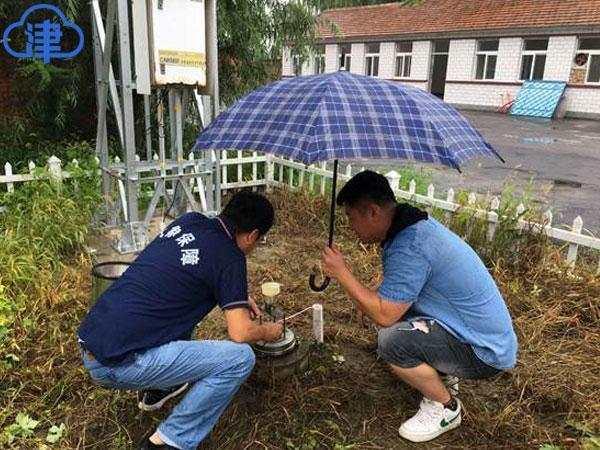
44,223
23,427
56,100
55,433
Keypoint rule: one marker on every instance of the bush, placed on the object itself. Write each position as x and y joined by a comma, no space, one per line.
44,223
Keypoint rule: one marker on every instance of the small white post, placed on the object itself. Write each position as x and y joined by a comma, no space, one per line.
573,248
270,172
301,178
393,178
254,168
547,219
518,214
472,199
240,166
31,167
281,180
311,178
430,196
199,181
117,159
323,178
291,177
348,173
412,187
449,199
8,172
493,218
318,322
55,169
224,179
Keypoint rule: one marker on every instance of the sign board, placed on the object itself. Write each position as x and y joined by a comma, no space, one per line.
176,43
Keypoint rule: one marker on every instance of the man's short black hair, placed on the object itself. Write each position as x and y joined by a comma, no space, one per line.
366,186
249,211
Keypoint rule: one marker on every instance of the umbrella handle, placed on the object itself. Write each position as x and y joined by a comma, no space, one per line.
313,285
313,276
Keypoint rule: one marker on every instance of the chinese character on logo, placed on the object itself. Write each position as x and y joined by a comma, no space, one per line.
185,239
190,257
172,232
43,40
44,37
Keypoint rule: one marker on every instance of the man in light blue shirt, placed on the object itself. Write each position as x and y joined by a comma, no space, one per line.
439,309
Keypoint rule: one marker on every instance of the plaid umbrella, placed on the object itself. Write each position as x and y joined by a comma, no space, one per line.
342,115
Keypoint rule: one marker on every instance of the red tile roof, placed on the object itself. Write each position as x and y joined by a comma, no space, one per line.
460,16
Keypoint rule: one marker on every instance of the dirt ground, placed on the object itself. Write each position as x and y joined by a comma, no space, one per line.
552,397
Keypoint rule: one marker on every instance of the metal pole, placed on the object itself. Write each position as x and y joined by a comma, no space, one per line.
212,59
103,59
148,125
127,87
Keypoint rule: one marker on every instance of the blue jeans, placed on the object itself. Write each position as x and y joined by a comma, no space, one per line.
214,369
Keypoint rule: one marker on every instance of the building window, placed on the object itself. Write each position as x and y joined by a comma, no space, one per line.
534,59
588,56
372,60
345,57
487,56
296,65
403,59
320,60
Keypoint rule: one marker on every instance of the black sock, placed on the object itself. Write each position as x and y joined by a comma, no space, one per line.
451,404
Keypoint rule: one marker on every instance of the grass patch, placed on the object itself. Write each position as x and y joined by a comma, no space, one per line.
551,398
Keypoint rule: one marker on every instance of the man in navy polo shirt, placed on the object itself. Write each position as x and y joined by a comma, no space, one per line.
438,308
138,334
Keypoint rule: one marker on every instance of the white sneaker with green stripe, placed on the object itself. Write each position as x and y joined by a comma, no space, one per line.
430,421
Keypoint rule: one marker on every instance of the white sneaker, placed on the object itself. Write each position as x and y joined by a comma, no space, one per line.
451,383
430,421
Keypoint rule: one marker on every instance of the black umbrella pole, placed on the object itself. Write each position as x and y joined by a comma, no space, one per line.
312,280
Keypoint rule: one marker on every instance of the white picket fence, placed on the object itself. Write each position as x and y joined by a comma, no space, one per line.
244,170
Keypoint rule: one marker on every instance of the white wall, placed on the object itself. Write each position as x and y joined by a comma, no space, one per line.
357,65
461,68
423,85
582,101
331,58
387,60
484,95
461,58
421,60
561,52
508,66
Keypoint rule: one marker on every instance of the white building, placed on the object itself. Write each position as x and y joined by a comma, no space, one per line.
473,53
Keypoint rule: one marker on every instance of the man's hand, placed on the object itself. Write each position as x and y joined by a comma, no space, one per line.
242,328
255,311
272,331
333,262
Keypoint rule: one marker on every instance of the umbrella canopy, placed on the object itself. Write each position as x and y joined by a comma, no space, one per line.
346,116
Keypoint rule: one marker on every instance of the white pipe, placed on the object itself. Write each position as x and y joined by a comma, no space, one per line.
318,322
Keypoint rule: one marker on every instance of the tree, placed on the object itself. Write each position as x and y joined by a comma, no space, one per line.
59,99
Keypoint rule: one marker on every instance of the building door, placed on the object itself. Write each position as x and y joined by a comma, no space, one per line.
439,65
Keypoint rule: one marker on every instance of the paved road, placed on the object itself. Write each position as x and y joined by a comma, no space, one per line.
561,159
